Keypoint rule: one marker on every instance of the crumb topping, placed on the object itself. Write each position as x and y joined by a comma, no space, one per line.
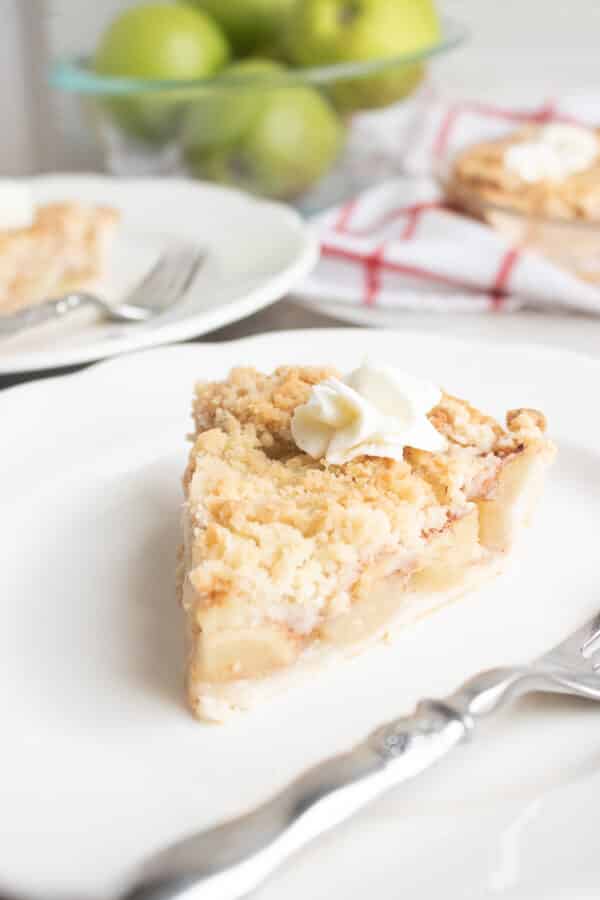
272,526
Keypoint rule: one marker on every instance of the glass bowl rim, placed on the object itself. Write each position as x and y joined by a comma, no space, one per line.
75,76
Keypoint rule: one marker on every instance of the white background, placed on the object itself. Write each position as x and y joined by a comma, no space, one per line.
523,47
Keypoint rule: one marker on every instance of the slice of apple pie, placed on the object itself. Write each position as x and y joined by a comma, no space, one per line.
62,248
321,513
548,171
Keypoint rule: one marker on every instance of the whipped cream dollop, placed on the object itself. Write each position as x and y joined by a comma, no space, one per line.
17,209
374,411
556,152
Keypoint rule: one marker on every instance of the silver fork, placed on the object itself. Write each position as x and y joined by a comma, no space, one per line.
227,862
164,284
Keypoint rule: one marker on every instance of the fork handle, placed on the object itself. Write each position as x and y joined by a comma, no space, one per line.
44,312
231,860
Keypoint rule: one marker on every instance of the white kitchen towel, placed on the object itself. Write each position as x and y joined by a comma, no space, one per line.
444,127
398,245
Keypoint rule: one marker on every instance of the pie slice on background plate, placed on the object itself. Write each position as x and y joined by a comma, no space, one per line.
289,562
539,170
64,248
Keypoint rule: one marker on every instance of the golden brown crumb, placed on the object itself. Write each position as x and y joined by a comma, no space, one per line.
524,419
265,401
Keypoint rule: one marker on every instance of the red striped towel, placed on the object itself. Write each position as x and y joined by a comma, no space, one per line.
398,245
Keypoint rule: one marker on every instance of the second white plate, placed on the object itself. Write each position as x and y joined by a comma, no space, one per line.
572,331
256,252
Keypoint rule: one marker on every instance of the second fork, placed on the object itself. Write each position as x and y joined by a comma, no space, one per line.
160,289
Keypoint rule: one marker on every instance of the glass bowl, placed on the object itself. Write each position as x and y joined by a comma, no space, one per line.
573,244
281,133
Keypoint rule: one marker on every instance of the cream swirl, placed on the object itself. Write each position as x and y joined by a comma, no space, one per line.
374,411
556,152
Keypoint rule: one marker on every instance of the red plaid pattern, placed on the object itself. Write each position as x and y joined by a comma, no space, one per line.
400,245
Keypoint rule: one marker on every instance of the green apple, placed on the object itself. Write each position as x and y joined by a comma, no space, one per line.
322,32
285,140
293,143
221,114
155,42
250,25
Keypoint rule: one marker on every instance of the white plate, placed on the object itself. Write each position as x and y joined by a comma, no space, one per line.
101,763
256,252
574,331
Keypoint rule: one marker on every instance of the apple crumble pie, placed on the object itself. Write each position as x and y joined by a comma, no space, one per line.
63,248
284,555
550,171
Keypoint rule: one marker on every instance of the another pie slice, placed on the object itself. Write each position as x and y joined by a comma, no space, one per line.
288,561
65,248
480,174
